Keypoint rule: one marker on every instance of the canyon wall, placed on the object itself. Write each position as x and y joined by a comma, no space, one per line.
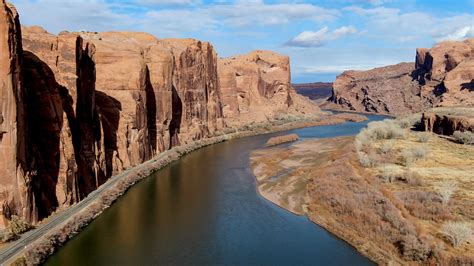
440,76
256,87
79,107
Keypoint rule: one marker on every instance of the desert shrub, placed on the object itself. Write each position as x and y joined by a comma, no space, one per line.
388,175
385,130
408,121
412,178
15,228
424,205
407,157
464,137
457,232
446,190
420,152
367,160
410,156
424,137
386,147
415,249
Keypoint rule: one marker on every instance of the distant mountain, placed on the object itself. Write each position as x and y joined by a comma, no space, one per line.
315,90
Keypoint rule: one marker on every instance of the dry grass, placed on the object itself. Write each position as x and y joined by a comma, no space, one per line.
281,139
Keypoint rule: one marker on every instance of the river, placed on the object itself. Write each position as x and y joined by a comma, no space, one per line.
204,209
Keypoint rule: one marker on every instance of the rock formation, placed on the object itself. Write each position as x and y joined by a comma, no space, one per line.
79,107
441,76
256,87
15,175
447,120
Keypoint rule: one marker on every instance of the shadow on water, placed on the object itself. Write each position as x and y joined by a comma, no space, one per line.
204,209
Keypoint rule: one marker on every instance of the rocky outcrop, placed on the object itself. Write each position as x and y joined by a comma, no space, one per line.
256,87
389,89
79,107
445,121
441,76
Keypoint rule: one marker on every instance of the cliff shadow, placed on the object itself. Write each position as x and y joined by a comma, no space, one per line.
46,101
465,86
151,111
177,113
109,110
87,121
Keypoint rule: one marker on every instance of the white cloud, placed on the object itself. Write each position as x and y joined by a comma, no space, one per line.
459,34
393,24
320,37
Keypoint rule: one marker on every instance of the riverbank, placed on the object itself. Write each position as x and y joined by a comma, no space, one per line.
391,211
87,210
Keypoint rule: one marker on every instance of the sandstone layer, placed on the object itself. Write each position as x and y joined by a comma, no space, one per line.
79,107
441,76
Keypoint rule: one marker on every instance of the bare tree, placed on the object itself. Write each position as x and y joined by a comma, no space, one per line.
457,232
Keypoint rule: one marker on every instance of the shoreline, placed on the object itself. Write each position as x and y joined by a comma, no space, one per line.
101,199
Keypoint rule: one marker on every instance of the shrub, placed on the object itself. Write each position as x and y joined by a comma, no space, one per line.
420,152
367,160
457,232
410,156
446,190
386,147
464,137
15,228
388,175
412,178
385,130
424,137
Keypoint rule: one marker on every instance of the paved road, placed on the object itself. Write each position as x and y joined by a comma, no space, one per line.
19,245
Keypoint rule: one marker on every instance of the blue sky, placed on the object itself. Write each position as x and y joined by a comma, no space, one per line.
322,38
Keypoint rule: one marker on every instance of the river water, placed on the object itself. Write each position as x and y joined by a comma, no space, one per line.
204,210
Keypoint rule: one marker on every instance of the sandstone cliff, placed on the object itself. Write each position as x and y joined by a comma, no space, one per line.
256,87
79,107
441,76
15,175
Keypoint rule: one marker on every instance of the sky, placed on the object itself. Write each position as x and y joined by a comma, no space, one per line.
323,38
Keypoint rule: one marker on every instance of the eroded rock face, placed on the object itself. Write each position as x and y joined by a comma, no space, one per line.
256,87
196,96
15,175
389,89
441,76
447,120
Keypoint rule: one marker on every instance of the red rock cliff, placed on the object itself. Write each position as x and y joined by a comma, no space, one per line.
441,76
256,87
15,175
